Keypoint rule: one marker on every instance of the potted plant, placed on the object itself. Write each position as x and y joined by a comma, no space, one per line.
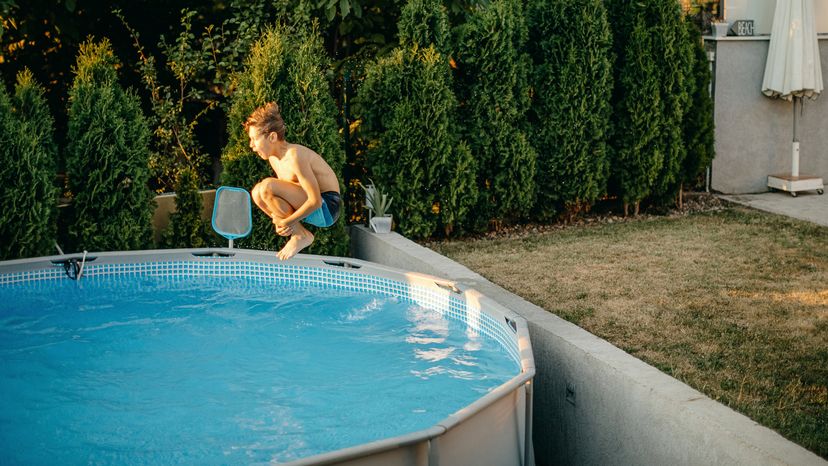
719,27
377,204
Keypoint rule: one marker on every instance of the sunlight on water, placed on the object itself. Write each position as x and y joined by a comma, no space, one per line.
154,370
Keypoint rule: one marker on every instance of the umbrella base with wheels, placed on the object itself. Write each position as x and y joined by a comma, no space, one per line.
795,184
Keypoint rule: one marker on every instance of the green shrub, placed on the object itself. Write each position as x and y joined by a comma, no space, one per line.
570,46
290,67
649,98
28,199
637,156
106,158
414,151
186,228
425,22
698,120
493,90
675,65
174,145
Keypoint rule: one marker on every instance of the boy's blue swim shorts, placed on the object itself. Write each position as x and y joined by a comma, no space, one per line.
328,213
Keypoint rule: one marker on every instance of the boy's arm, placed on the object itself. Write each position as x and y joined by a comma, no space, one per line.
307,180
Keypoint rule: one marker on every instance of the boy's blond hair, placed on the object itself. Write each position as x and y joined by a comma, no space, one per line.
267,119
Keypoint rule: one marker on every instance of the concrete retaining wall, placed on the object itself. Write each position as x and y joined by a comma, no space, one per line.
595,404
165,205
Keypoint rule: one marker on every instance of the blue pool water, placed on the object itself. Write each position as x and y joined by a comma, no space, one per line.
201,370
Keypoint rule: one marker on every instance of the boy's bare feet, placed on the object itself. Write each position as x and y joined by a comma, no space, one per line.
300,240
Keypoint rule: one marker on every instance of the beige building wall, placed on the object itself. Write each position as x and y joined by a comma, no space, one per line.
754,132
165,205
761,12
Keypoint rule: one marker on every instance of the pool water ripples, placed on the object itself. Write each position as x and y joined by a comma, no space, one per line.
159,370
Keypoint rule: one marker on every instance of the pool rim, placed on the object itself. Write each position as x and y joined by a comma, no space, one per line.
523,380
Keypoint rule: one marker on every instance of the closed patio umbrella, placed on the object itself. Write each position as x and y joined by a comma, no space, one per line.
791,73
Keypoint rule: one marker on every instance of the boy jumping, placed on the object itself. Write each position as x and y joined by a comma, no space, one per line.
305,188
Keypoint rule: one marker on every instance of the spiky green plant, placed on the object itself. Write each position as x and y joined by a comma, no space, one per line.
570,44
493,90
107,157
649,98
698,120
186,228
28,155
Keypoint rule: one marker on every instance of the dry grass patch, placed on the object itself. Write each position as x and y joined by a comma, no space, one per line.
733,302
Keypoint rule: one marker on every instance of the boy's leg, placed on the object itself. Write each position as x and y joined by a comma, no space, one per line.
278,198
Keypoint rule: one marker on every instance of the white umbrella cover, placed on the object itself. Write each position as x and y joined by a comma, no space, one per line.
793,68
792,72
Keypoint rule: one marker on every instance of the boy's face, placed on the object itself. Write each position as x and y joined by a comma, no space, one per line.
261,143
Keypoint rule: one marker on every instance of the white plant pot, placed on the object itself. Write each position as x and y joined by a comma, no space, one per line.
720,29
381,224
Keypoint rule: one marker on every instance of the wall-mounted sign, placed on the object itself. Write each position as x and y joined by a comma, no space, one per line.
741,27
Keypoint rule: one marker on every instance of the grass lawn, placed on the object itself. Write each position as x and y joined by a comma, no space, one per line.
733,302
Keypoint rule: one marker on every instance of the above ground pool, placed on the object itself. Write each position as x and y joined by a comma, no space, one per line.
229,356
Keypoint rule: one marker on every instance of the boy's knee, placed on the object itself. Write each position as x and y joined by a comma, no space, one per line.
261,189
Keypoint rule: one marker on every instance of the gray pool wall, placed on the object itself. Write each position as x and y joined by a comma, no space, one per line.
495,429
595,404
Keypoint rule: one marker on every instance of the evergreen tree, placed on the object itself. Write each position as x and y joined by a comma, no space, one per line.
287,66
415,152
675,57
637,121
425,22
649,98
29,198
493,89
698,120
570,44
187,229
107,157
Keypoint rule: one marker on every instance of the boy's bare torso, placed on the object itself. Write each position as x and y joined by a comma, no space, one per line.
284,167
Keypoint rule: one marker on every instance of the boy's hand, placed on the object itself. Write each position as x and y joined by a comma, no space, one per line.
282,228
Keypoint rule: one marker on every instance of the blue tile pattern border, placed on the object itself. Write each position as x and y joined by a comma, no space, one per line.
442,301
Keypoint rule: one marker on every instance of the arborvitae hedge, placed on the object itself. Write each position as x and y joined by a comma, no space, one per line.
637,121
649,98
186,228
410,114
493,90
698,121
675,63
570,43
415,152
425,22
106,158
28,200
288,66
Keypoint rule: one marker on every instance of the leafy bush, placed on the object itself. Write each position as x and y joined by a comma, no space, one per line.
698,120
106,159
649,98
415,152
409,111
570,45
493,90
675,65
187,229
28,199
425,22
174,145
288,66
